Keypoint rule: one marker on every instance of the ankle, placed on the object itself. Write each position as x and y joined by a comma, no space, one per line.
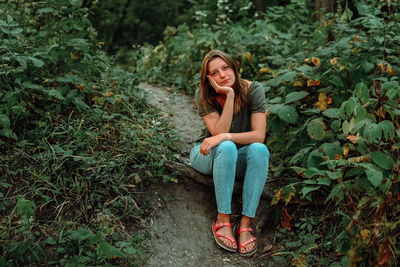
223,218
245,222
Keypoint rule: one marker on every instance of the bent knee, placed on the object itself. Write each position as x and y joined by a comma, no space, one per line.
228,146
259,150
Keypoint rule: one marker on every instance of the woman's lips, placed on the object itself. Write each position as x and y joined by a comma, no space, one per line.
225,81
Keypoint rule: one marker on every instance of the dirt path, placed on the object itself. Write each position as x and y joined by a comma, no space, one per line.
180,227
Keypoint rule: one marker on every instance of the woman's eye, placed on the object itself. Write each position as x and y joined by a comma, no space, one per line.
213,73
225,67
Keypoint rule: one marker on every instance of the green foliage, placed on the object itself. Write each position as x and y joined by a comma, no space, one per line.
77,142
333,93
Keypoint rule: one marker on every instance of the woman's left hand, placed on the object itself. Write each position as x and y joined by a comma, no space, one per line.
211,142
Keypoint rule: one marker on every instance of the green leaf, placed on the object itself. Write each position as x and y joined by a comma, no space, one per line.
387,128
337,80
372,132
22,62
295,96
312,171
361,92
324,181
36,62
80,234
45,10
332,149
307,190
4,121
332,113
288,113
367,66
382,160
8,133
375,177
16,31
337,193
9,19
55,93
289,76
26,207
347,14
316,129
107,250
334,175
299,155
347,107
51,241
76,3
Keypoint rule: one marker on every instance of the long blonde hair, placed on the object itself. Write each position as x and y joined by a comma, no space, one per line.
207,92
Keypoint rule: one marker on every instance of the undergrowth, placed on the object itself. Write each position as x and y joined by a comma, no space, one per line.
78,143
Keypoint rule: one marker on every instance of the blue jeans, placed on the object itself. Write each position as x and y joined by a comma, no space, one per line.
225,162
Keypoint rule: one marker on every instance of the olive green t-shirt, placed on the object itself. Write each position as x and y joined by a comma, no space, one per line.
241,121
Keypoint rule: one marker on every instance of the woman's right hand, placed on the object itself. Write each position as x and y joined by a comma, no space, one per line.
213,141
218,88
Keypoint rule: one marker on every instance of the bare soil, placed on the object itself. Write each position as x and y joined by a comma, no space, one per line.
180,224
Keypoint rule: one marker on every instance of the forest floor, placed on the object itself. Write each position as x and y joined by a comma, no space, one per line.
180,223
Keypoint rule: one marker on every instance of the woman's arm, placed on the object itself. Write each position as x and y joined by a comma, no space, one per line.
215,122
256,135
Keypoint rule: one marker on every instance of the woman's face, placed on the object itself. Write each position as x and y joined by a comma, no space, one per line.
221,72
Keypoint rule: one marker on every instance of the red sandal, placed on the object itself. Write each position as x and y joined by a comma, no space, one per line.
251,240
218,235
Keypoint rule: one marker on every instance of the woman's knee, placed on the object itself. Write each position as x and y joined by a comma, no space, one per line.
227,152
258,151
200,162
227,147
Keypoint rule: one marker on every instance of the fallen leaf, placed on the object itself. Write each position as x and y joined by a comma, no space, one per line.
248,56
365,234
353,138
381,112
289,197
298,84
267,248
286,218
313,82
266,69
300,261
359,159
323,101
384,254
346,149
276,197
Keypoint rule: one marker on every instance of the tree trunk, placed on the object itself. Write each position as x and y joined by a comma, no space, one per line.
119,28
260,8
322,7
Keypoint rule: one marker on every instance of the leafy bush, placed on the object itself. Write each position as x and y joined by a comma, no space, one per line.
78,142
333,93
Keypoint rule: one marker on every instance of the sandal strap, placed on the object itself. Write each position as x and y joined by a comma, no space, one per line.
218,234
241,230
220,225
251,240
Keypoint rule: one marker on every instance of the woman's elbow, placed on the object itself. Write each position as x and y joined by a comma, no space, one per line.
260,137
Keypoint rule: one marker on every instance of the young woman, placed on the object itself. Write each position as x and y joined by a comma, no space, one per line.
233,111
